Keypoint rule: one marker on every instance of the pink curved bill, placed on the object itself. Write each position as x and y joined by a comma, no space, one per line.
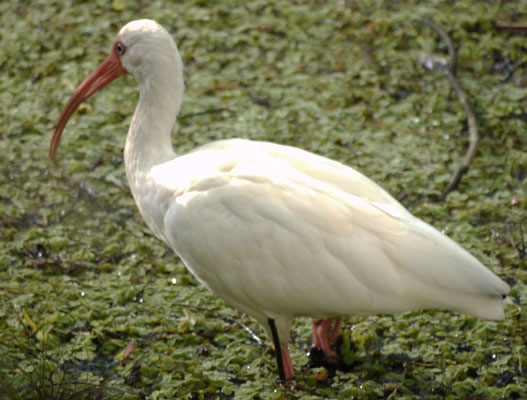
109,70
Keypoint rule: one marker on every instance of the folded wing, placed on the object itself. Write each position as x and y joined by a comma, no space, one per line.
283,231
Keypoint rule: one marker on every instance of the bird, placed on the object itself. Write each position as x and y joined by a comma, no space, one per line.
276,231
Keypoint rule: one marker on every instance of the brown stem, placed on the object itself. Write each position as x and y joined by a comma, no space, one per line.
463,98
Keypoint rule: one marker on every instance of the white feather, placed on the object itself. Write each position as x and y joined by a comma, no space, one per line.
256,226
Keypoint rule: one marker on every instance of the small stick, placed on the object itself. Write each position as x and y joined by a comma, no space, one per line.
225,317
463,98
209,111
520,29
452,54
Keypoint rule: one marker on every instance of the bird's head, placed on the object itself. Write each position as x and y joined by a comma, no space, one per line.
144,49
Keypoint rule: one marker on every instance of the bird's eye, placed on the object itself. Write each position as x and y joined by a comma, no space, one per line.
119,47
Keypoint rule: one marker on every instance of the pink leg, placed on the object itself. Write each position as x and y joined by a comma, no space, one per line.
289,371
325,335
336,328
285,366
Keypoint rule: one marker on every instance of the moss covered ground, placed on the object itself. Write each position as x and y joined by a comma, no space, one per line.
82,277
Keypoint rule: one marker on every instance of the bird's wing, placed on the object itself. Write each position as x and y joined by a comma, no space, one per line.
268,232
317,168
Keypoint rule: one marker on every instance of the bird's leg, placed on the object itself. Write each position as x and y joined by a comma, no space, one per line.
335,333
325,335
283,360
289,371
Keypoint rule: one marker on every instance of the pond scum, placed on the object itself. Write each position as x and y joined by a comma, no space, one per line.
93,306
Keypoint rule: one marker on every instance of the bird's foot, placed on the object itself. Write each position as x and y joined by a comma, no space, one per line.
325,344
320,358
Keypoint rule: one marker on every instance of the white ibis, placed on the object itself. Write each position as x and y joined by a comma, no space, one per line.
276,231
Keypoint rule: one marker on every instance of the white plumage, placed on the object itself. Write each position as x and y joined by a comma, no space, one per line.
276,231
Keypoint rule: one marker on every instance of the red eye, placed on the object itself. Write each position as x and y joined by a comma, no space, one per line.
120,48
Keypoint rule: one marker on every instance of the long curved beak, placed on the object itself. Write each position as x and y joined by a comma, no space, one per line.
109,70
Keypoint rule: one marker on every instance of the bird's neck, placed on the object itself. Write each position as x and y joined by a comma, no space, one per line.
149,138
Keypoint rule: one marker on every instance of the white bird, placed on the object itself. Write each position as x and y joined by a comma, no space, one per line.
276,231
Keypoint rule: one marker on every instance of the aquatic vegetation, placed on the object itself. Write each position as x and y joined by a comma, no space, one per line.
81,276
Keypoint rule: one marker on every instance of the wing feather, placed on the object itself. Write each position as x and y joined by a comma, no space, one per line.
283,231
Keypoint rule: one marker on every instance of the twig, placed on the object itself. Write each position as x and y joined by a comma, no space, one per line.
259,101
463,98
225,317
209,111
511,28
452,54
